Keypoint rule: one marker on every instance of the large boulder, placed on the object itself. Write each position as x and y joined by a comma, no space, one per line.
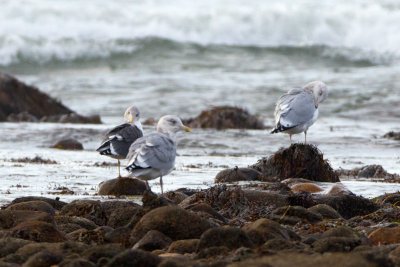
172,221
225,117
122,186
21,102
299,160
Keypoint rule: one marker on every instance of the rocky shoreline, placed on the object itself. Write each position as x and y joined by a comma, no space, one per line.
279,221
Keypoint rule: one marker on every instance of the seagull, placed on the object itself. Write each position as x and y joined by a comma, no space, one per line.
118,140
153,155
297,110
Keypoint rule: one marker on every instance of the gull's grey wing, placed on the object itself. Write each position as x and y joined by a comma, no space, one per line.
294,108
155,150
119,139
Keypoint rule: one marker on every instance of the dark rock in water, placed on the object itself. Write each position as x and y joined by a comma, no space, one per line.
21,102
370,171
56,203
72,118
22,117
153,240
230,237
68,144
10,245
170,220
225,117
325,211
301,213
134,257
37,231
339,189
184,246
34,205
11,218
89,209
393,135
43,258
122,187
348,206
237,174
263,230
17,97
306,187
299,160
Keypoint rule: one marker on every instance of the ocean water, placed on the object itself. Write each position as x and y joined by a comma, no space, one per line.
180,57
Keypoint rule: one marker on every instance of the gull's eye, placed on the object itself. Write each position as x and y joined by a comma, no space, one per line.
320,92
137,115
172,121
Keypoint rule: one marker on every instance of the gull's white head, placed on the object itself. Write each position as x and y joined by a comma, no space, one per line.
132,115
171,124
319,90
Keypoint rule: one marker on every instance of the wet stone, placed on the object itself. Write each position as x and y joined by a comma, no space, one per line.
55,203
153,240
184,246
89,209
134,257
68,144
237,174
299,160
34,205
226,236
297,211
122,187
37,231
325,211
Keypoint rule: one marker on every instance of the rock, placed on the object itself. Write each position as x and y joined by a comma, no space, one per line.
8,264
10,245
22,117
237,174
306,260
225,117
55,203
90,237
341,231
72,118
74,220
203,207
336,244
175,196
95,253
393,135
34,205
306,187
296,211
43,259
122,186
278,244
123,216
17,97
263,230
369,171
153,240
134,257
184,246
299,160
172,221
76,263
271,199
68,144
385,235
11,218
230,237
347,206
37,231
151,200
325,211
89,209
119,235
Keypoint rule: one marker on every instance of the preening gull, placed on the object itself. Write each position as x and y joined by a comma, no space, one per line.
118,140
297,110
153,155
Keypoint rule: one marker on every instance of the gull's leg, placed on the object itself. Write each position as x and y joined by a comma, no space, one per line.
119,169
161,184
305,137
290,138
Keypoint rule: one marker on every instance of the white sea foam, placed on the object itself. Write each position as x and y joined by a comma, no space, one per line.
45,30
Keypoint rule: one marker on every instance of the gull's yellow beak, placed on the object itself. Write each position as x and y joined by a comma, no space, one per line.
186,129
131,118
